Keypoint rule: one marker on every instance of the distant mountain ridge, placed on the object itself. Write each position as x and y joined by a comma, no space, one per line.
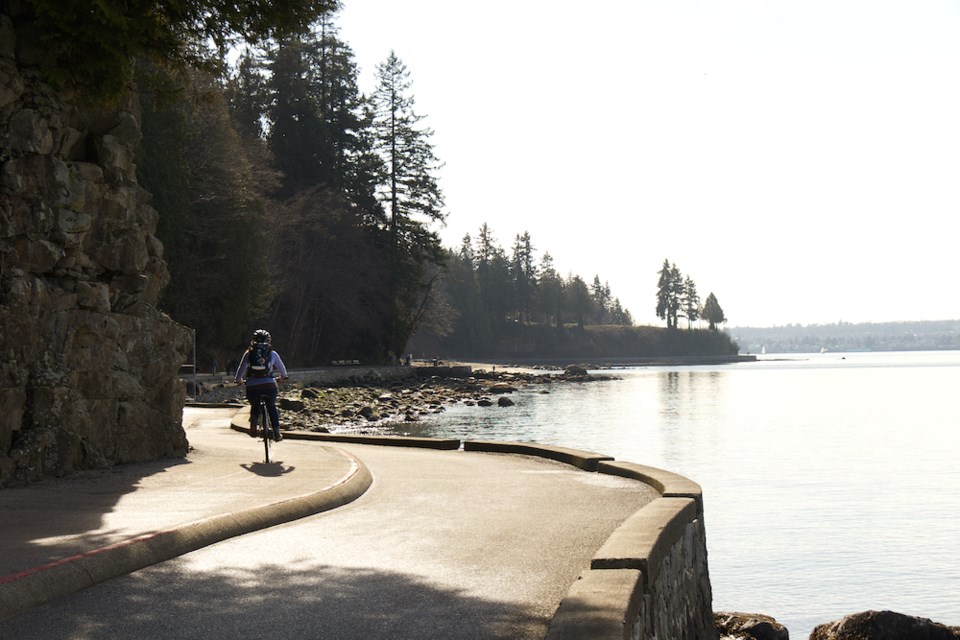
845,336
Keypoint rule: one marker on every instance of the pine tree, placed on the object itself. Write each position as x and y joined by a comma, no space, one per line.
409,193
524,273
690,301
247,95
664,293
211,220
493,279
619,315
676,295
409,190
296,134
91,46
551,292
579,301
601,299
712,312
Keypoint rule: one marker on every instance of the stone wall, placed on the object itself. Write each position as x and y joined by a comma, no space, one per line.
88,365
650,579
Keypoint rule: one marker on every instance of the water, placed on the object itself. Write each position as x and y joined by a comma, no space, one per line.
831,481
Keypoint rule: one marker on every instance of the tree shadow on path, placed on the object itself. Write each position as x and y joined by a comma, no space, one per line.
332,603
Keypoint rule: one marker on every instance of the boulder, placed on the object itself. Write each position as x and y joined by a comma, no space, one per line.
574,370
290,404
501,387
504,401
368,413
749,626
884,625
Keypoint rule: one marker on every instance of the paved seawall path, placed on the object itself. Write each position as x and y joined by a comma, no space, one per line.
378,541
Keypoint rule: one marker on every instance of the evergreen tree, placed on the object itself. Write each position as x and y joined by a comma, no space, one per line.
601,299
690,301
664,293
551,292
578,298
466,251
318,118
619,315
347,160
409,193
712,312
469,327
484,251
91,46
296,135
676,295
524,273
493,279
330,302
409,190
210,219
670,293
247,95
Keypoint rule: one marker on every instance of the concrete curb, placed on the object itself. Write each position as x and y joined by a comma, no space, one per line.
597,605
38,585
642,540
581,459
666,483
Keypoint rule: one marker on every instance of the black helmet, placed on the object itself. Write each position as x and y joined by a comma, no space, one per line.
261,335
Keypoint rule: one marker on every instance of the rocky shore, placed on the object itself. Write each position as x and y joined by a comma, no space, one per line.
866,625
370,403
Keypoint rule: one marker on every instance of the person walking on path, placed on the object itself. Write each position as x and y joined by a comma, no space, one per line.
259,368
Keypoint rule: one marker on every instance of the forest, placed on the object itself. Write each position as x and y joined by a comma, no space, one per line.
289,199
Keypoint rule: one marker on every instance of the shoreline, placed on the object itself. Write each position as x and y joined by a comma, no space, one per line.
611,362
374,403
374,399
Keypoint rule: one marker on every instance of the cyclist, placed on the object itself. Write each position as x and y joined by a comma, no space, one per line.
257,368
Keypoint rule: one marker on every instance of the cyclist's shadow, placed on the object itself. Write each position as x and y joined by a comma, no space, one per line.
267,470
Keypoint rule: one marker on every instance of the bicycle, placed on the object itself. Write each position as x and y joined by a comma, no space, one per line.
262,423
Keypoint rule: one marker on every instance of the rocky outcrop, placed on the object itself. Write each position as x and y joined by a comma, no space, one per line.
749,626
88,365
884,625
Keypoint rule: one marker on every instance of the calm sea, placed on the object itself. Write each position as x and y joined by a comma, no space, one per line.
831,481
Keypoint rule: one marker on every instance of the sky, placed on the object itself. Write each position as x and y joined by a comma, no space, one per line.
798,159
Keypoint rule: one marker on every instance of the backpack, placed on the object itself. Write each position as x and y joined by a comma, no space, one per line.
258,360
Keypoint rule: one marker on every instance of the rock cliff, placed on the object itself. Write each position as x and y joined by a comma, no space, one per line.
88,365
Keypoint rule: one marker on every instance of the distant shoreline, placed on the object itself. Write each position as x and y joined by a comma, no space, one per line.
625,361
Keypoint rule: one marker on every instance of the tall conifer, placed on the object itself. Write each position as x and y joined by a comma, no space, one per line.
409,193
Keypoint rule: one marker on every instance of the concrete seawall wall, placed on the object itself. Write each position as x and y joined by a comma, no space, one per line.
651,578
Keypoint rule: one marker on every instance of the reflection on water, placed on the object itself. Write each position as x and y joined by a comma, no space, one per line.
831,482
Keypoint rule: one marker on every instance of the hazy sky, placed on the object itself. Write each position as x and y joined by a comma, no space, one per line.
800,159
